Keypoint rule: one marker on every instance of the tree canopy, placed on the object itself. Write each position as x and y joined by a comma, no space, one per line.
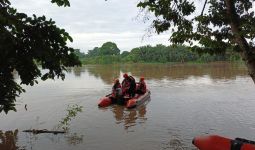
224,24
108,48
156,54
26,41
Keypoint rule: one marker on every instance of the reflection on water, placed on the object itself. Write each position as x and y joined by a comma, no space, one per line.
187,100
8,140
74,139
216,70
129,118
176,142
77,71
106,72
31,140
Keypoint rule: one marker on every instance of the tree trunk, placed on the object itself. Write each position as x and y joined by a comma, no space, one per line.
247,52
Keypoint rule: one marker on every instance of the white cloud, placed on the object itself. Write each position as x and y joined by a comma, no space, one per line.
93,22
124,40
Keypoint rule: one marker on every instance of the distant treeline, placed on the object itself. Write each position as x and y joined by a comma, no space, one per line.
109,53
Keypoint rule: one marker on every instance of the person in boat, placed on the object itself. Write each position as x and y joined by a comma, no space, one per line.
141,87
116,90
128,85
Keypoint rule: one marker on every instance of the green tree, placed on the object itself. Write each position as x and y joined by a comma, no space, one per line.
78,53
25,42
109,48
225,24
124,54
93,52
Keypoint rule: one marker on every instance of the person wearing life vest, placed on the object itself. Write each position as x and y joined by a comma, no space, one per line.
128,85
141,87
116,89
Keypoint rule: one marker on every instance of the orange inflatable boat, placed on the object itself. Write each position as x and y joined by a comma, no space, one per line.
215,142
128,102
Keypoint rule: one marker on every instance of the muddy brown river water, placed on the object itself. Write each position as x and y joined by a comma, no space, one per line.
187,100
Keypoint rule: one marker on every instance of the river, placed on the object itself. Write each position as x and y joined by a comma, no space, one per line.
187,100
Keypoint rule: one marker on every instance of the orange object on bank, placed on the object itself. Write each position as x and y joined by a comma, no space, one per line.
215,142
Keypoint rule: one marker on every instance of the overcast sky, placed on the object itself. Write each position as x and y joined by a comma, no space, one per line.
94,22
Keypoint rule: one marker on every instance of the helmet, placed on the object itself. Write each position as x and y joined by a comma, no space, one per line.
142,78
116,80
125,75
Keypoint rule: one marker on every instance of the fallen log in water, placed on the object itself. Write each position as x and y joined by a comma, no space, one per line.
34,131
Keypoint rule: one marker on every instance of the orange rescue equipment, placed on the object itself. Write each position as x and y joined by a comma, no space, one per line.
105,101
215,142
131,103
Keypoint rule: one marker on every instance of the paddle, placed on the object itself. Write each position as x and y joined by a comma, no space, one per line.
108,95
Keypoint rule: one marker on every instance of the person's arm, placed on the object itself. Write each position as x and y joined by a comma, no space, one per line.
144,88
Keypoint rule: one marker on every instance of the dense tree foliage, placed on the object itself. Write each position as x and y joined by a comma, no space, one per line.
107,53
78,53
93,52
25,42
225,24
109,48
161,53
158,54
124,54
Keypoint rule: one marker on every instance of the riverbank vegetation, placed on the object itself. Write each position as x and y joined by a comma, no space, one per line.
25,42
109,53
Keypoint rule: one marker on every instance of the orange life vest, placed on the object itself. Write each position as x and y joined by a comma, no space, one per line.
142,86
